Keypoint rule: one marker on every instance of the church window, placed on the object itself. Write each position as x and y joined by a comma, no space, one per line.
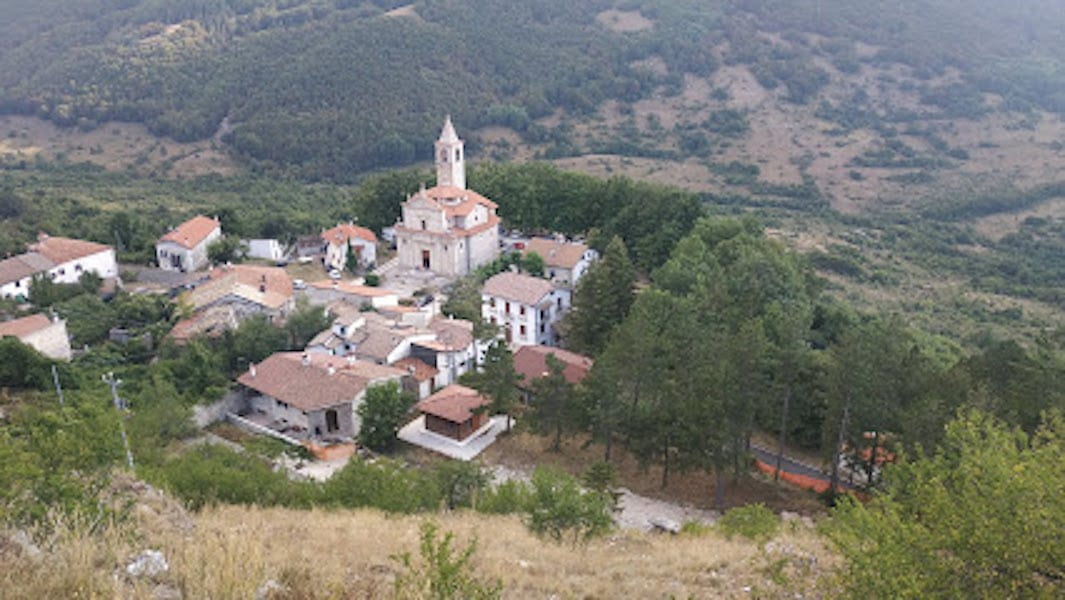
423,225
457,155
443,155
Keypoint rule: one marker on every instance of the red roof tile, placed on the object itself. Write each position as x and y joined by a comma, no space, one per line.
283,376
531,361
346,231
517,287
417,368
60,250
454,403
192,232
26,325
563,255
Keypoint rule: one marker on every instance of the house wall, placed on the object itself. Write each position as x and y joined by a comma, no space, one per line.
546,314
277,409
367,253
15,289
192,259
102,263
266,249
52,341
316,421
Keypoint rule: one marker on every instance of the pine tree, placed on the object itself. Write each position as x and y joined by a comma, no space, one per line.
497,379
602,300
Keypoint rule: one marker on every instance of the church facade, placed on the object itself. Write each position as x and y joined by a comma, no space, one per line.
448,229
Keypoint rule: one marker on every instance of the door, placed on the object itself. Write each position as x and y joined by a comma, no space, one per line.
425,259
331,424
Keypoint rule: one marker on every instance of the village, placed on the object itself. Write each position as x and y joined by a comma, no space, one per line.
383,297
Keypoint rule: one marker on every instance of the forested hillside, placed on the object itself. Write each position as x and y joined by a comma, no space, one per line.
332,88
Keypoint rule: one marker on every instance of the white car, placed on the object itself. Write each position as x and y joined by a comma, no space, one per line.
334,274
299,284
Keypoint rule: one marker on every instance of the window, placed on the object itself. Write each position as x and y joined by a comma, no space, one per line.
492,302
77,268
521,311
62,271
521,330
560,303
508,308
543,327
458,154
423,225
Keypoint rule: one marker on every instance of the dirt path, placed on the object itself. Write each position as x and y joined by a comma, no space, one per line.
635,511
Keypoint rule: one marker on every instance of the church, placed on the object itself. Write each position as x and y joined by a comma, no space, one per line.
448,229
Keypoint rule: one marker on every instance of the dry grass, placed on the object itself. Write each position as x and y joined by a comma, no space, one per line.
233,551
114,146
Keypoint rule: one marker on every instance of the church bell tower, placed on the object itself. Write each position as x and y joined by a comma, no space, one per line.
450,158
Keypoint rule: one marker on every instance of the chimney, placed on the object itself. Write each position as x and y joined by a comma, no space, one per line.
331,370
252,370
351,359
306,359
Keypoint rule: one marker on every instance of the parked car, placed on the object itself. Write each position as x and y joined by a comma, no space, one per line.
299,284
334,274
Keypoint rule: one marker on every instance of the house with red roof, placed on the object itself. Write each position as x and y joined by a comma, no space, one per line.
531,363
454,422
63,260
184,248
526,308
345,239
310,396
564,262
448,229
47,336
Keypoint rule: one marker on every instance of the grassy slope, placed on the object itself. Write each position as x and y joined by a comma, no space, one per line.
232,551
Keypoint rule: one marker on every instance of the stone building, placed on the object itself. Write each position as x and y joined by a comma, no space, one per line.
448,229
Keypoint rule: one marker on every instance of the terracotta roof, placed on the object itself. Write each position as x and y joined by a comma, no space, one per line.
26,325
446,195
350,366
283,376
212,322
453,334
192,232
564,255
417,368
454,403
22,266
351,288
345,231
267,286
60,250
531,361
517,287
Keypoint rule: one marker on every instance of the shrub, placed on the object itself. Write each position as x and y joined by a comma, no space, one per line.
753,521
444,572
559,508
505,498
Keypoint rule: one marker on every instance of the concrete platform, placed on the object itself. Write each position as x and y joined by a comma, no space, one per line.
416,433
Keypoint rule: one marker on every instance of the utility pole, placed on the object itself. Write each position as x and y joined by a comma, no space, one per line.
58,388
120,406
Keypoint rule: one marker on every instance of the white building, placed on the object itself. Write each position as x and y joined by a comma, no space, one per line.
564,262
47,336
345,238
63,260
448,229
16,274
266,249
185,248
526,308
